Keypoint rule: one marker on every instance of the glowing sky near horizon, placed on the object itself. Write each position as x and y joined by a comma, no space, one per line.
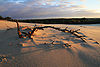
27,9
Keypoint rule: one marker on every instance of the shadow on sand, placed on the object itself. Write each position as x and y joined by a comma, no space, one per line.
14,50
89,60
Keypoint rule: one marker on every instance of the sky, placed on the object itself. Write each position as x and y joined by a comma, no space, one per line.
37,9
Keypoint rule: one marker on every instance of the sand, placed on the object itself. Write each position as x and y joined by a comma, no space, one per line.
39,52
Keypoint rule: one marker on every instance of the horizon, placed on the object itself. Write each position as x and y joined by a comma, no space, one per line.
40,9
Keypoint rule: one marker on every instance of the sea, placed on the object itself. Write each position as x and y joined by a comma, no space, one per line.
86,24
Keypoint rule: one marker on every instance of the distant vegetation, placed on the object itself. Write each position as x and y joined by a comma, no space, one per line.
64,21
5,18
57,20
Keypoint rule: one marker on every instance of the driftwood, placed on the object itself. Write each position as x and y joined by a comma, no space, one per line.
41,28
63,30
18,31
73,32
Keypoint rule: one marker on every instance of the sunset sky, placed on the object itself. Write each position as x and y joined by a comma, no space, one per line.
27,9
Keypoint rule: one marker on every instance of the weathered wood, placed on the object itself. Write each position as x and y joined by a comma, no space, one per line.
18,31
30,33
63,30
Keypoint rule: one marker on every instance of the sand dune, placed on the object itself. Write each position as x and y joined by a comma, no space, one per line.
40,52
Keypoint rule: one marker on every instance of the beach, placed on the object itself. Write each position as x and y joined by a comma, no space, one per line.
39,51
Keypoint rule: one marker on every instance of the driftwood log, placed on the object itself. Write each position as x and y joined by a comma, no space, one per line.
30,33
63,30
18,31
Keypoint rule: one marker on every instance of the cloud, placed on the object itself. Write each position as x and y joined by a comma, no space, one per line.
43,9
87,13
82,0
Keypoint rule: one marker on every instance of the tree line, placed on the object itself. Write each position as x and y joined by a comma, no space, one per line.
57,20
63,21
5,18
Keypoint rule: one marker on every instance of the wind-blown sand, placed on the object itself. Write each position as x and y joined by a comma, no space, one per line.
39,52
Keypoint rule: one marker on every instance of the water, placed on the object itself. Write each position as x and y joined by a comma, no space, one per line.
94,25
86,24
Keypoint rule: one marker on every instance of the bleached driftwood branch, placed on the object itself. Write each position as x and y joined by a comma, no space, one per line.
18,30
63,30
30,33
